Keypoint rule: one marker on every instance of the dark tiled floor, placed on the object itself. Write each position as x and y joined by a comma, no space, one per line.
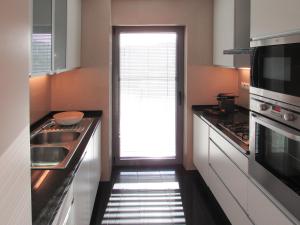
167,195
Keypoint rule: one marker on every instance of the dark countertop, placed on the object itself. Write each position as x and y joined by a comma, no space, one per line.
241,115
49,187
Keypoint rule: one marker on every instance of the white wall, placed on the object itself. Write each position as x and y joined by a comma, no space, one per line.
15,185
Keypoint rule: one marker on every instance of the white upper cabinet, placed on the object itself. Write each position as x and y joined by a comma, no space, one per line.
73,34
274,17
231,31
60,34
56,36
42,38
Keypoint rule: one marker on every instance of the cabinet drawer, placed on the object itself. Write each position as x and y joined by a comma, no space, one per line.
238,158
64,210
231,208
261,210
200,146
230,174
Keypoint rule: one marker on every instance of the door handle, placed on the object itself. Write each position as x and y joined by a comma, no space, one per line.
277,127
179,97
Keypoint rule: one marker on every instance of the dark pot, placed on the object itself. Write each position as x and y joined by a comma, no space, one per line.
226,103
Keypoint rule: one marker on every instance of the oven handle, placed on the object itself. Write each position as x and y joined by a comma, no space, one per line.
281,129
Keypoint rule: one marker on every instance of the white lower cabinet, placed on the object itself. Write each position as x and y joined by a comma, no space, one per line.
229,174
82,189
78,204
229,205
225,170
64,215
235,155
262,210
200,146
95,164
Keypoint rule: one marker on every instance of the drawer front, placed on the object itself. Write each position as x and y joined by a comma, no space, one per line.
230,174
200,146
237,157
65,207
196,143
261,210
231,208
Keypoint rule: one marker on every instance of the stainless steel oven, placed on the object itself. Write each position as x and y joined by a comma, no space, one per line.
275,160
275,119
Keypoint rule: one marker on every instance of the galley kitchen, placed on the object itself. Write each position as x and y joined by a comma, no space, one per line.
150,112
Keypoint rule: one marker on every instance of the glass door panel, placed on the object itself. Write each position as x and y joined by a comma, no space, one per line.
279,154
147,95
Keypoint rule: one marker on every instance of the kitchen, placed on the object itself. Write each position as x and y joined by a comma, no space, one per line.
245,188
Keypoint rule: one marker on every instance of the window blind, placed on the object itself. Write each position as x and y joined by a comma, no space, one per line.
147,94
41,52
147,64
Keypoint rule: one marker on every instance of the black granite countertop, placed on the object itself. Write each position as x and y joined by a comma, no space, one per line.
49,187
239,116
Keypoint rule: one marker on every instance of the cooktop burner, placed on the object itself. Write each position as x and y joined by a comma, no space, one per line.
239,130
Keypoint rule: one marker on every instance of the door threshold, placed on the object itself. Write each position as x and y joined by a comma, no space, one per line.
146,162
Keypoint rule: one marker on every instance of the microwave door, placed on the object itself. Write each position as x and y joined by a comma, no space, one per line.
275,72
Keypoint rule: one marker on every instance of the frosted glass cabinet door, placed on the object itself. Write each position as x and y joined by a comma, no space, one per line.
42,38
60,34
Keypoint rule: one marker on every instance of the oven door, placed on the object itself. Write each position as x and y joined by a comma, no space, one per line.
275,72
275,160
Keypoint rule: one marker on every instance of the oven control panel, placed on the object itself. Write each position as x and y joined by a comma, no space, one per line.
276,111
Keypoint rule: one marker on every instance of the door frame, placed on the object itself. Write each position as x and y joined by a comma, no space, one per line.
116,31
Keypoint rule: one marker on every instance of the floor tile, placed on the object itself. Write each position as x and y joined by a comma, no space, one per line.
154,195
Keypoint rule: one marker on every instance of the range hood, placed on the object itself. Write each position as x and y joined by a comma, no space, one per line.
238,51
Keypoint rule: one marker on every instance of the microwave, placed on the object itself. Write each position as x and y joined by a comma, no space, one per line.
275,68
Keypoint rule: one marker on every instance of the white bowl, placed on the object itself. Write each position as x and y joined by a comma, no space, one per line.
68,118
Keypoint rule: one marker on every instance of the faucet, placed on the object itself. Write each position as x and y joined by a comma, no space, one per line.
47,124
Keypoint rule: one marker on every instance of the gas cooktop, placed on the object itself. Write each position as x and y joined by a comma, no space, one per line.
239,130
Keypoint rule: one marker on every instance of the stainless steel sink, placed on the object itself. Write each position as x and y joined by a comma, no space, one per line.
48,156
53,146
54,137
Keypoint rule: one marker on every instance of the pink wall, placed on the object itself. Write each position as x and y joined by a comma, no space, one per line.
81,89
244,76
203,84
39,97
85,89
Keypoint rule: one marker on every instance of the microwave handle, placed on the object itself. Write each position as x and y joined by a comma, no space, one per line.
281,129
